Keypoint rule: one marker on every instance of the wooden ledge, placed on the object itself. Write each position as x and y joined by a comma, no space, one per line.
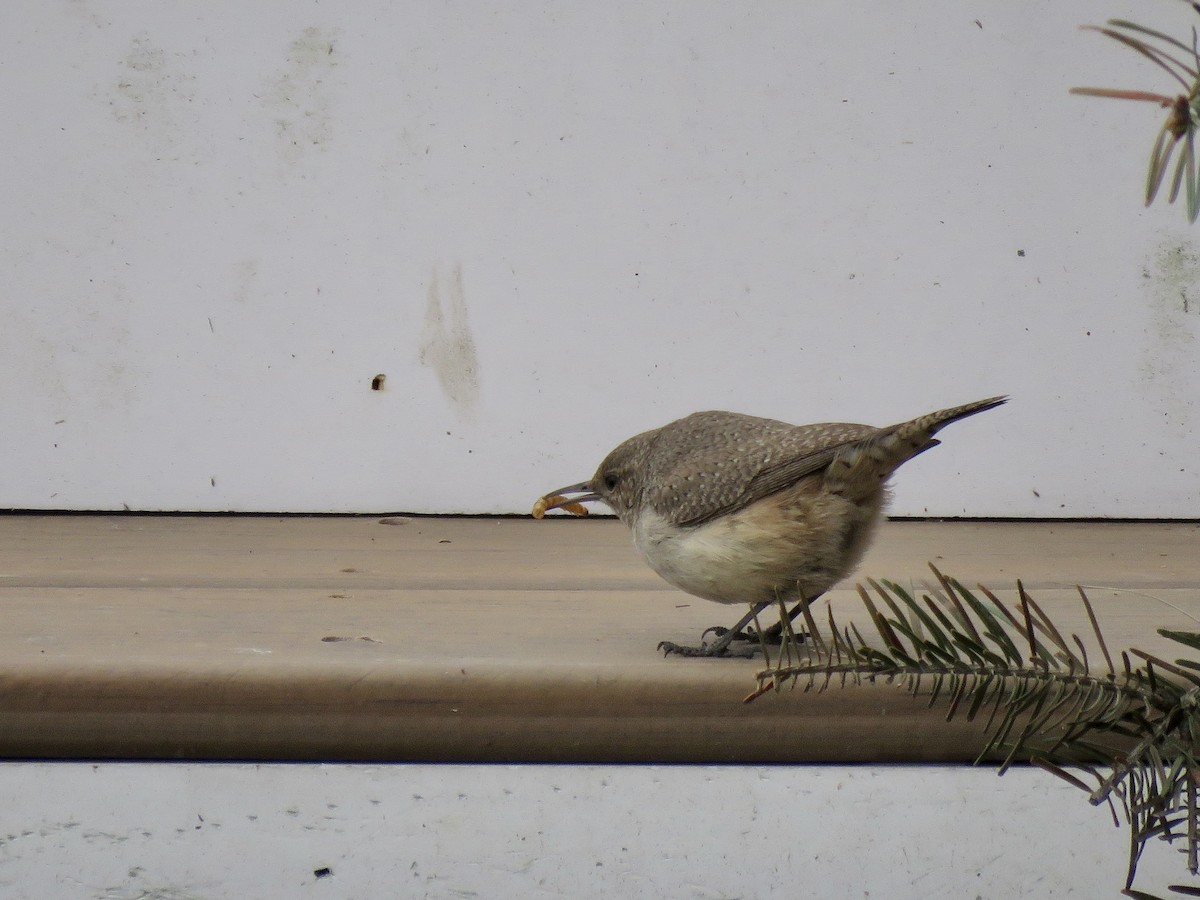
445,639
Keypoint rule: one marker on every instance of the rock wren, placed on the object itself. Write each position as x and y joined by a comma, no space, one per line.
738,509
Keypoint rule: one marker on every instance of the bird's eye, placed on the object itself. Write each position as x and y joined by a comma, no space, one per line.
610,482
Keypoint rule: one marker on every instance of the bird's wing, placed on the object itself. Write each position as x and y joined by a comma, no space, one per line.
779,475
726,461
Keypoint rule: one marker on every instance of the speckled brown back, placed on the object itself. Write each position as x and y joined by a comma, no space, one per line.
709,463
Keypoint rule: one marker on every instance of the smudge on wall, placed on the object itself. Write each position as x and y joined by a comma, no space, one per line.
301,98
447,346
152,92
1172,279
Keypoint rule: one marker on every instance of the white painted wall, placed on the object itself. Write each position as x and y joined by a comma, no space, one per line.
129,831
553,225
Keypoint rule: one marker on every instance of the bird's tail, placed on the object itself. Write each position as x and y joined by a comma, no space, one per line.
861,467
921,430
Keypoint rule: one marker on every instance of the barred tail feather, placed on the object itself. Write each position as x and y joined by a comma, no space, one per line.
860,469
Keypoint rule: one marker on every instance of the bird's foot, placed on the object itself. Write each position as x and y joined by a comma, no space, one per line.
772,636
717,649
745,634
751,640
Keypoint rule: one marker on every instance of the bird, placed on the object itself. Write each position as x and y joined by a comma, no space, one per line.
736,508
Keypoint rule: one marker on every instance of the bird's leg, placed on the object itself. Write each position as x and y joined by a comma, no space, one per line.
725,636
740,632
772,635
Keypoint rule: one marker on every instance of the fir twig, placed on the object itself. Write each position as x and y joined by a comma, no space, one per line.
1182,120
1134,731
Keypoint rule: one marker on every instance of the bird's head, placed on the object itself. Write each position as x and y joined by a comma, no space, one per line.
617,482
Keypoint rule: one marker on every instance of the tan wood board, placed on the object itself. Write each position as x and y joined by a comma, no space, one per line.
414,638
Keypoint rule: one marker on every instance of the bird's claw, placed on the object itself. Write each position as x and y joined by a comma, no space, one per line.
715,650
772,636
720,631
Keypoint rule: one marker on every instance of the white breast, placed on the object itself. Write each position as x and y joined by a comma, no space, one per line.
777,547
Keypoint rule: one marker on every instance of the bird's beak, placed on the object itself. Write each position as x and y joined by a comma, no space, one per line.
561,499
